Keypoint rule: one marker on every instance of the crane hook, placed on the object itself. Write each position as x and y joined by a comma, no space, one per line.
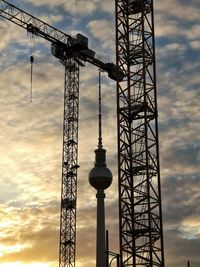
32,61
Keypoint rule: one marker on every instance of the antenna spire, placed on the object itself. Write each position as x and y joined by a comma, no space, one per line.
100,145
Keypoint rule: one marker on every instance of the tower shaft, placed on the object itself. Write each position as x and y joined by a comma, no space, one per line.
140,214
100,231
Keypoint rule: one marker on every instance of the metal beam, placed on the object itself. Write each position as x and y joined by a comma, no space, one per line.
140,214
69,166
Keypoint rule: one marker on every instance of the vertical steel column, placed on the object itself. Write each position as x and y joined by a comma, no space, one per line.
69,166
140,214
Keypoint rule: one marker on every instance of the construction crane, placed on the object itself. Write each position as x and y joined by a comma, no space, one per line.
140,212
72,52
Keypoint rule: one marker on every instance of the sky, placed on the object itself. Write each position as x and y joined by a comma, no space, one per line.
31,132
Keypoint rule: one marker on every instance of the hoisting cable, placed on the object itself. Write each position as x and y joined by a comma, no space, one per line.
31,61
100,145
31,92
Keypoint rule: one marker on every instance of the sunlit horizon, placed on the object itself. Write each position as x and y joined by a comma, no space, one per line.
21,264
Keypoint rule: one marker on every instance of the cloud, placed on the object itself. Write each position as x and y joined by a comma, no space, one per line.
26,232
169,21
179,250
74,7
189,10
31,135
180,205
102,30
181,218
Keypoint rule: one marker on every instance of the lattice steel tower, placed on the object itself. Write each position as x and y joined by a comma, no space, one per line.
69,165
140,215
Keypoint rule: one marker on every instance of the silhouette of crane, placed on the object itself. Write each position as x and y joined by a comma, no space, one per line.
72,52
140,213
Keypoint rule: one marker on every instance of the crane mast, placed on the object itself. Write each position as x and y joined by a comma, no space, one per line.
140,214
67,248
72,52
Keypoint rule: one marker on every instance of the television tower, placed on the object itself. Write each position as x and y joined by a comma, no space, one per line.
100,177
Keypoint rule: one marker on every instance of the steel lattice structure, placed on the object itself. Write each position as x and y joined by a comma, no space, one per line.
69,170
140,214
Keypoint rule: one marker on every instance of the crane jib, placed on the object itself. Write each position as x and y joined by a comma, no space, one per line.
77,48
72,47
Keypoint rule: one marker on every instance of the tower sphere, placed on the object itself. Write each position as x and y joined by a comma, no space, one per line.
100,177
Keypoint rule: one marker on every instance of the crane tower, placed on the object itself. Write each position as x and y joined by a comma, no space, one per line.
140,214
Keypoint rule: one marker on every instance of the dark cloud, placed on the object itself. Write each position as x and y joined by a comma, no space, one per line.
187,4
181,202
185,155
178,123
181,198
179,250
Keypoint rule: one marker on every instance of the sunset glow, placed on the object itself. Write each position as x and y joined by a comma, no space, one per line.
31,132
20,264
